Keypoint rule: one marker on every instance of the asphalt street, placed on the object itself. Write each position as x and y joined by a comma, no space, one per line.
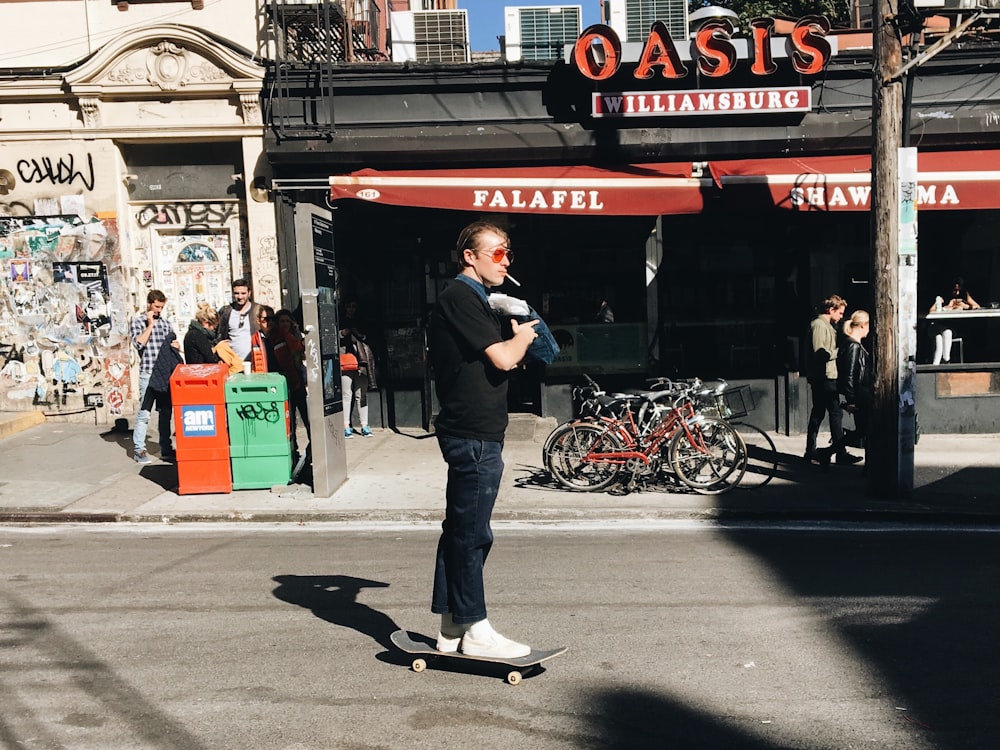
689,634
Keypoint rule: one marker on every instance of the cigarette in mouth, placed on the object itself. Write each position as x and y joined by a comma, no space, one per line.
514,281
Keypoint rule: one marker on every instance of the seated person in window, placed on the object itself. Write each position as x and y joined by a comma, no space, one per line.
957,299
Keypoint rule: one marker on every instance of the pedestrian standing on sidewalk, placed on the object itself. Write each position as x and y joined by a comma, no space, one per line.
471,356
200,340
356,382
854,376
238,321
822,376
265,322
150,332
286,342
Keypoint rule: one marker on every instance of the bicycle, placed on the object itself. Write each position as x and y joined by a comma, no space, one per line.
732,405
702,452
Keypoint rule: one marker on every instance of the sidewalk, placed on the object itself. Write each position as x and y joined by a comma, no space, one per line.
60,472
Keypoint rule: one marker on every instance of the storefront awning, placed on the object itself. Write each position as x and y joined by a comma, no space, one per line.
628,190
948,180
952,180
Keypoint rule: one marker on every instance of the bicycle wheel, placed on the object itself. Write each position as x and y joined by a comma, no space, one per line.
554,436
547,445
712,460
568,453
762,456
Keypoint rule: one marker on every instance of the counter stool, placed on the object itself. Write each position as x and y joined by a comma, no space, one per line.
961,348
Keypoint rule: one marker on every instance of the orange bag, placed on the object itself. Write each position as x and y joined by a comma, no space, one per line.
348,362
257,354
228,356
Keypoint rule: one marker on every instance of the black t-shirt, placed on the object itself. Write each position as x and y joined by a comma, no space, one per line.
471,391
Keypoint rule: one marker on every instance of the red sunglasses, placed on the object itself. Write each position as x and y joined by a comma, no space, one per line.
500,252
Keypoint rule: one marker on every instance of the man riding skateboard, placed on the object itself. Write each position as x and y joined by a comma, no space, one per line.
471,356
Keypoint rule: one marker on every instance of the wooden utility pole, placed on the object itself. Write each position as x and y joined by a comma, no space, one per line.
889,460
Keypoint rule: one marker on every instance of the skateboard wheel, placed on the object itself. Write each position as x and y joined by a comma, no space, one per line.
514,678
419,665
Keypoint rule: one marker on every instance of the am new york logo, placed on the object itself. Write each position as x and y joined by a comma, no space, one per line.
198,421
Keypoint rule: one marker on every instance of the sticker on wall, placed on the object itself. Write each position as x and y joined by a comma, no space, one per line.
64,273
115,369
20,270
72,205
94,276
115,401
46,206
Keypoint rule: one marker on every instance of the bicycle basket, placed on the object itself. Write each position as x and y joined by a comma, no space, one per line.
739,401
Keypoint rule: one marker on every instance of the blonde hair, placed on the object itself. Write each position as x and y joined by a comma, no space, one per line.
858,318
206,314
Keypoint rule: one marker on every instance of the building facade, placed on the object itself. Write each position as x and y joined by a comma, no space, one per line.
711,201
131,158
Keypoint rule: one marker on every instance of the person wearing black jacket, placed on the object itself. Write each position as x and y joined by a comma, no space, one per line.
822,376
158,392
855,380
239,320
200,340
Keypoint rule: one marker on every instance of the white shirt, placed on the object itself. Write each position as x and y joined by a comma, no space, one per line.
239,336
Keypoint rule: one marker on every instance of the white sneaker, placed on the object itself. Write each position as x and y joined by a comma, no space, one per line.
447,645
493,646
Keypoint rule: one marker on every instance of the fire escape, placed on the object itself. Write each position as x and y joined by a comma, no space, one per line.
310,38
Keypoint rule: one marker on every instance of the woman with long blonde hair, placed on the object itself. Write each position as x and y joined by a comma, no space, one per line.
855,379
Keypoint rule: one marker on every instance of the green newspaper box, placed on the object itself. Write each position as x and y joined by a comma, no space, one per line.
259,446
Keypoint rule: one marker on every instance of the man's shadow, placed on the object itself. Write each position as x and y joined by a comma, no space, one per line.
334,599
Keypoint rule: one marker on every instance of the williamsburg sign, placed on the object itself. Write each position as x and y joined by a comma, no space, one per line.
713,53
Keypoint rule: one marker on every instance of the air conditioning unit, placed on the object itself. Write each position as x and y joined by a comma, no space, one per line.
957,4
631,19
540,32
430,36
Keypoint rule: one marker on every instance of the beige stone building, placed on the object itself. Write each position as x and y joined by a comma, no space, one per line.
131,158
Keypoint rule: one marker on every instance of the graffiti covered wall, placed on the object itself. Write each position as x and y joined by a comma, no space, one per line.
64,306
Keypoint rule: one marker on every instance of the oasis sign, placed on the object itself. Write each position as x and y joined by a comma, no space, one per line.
597,54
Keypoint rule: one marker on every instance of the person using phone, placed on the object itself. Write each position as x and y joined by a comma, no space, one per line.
150,332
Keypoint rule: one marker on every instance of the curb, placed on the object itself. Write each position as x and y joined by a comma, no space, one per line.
20,422
423,518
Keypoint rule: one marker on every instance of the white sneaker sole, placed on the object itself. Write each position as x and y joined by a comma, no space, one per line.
501,648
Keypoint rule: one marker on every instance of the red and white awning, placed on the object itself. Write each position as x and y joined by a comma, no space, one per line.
953,180
629,190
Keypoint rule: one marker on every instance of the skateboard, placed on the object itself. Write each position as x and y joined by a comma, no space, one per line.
423,648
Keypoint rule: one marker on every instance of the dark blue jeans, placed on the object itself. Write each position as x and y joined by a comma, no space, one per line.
825,400
474,471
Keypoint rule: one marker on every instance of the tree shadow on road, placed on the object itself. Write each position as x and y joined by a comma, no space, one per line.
636,719
334,598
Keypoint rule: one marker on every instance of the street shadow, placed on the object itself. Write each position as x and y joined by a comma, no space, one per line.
969,482
935,655
789,468
421,436
120,434
162,474
640,720
334,599
104,694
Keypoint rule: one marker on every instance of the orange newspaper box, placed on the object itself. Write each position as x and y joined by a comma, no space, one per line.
198,393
